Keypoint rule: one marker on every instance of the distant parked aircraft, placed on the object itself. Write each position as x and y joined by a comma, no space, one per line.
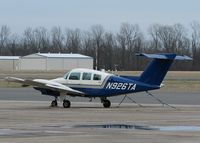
92,83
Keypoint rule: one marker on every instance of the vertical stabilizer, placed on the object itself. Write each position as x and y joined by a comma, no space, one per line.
157,69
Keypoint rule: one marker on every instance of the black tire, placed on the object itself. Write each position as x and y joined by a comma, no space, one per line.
106,104
66,104
54,103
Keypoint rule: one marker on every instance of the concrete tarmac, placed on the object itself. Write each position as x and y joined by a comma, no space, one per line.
26,117
34,122
171,97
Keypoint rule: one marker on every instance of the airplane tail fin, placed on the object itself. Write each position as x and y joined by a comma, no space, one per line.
158,67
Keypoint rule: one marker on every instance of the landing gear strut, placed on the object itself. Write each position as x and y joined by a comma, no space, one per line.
66,103
106,102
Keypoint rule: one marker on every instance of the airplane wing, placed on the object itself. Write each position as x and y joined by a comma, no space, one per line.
47,84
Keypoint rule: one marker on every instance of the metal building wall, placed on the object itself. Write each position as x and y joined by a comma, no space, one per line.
16,65
9,65
70,64
85,63
33,64
54,64
42,63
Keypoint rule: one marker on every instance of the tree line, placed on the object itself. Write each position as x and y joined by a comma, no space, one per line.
110,50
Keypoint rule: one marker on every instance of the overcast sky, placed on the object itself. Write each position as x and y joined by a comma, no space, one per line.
20,14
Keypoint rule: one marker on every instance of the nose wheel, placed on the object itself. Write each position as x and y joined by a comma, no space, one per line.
54,103
106,103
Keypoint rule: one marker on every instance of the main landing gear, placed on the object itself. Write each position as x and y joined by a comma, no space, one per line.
106,102
66,103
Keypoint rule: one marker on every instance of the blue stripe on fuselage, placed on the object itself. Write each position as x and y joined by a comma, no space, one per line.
116,85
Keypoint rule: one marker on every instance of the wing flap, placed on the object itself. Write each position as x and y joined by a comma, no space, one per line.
64,89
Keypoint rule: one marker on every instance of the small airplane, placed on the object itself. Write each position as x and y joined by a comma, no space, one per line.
92,83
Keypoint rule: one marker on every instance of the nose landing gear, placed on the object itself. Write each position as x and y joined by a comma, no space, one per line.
54,103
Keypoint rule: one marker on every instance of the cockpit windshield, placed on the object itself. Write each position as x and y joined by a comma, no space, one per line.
66,75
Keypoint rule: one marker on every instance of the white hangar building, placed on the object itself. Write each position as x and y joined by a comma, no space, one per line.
9,63
55,61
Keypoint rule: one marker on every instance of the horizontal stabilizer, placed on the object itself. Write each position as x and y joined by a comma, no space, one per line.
184,57
166,56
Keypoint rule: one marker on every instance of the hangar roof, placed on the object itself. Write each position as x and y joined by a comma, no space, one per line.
9,57
59,55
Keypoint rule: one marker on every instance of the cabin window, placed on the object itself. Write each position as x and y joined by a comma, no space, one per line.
86,76
97,77
75,76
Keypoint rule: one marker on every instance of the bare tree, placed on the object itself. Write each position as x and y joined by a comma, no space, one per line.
29,44
129,40
42,39
155,43
87,43
4,37
196,45
107,48
13,45
73,40
97,32
108,58
57,39
170,39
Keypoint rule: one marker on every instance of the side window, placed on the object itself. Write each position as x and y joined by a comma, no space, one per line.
97,77
75,76
86,76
